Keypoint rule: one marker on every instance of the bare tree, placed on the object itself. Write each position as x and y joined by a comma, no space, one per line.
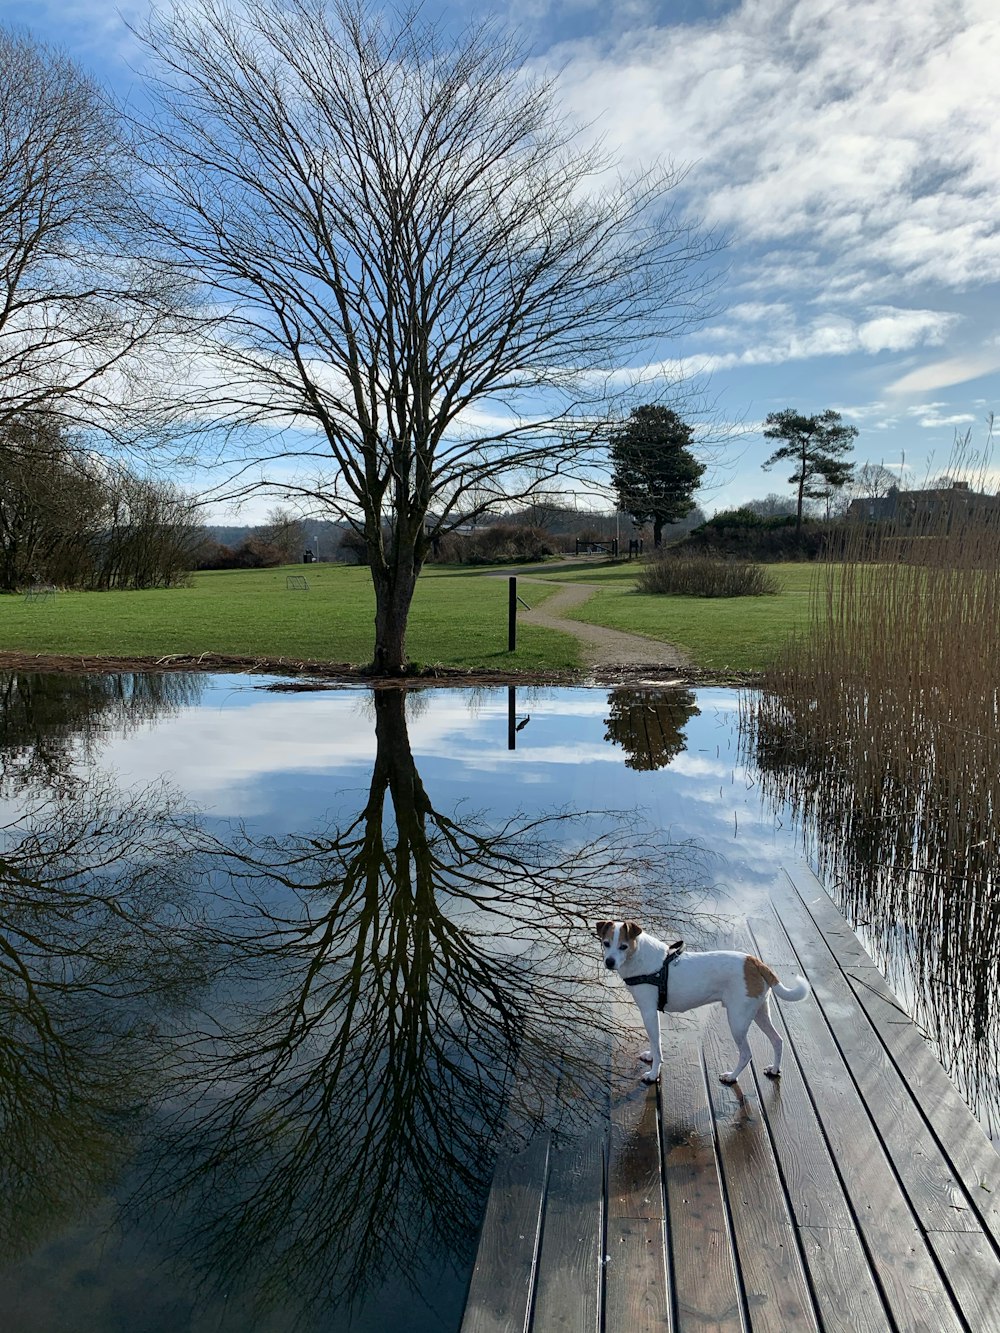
71,518
50,502
425,273
150,535
771,506
284,532
81,292
873,480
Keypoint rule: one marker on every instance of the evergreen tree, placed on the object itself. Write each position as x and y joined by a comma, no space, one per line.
816,445
653,470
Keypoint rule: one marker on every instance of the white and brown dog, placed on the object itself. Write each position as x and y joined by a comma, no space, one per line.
663,977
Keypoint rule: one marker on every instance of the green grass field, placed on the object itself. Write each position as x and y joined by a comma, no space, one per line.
459,619
720,633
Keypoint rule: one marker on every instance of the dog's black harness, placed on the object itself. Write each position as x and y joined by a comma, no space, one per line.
661,978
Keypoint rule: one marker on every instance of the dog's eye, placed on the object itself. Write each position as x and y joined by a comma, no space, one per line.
622,947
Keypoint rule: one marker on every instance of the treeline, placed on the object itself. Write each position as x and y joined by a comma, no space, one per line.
74,520
280,540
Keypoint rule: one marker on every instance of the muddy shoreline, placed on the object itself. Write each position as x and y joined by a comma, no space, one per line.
311,674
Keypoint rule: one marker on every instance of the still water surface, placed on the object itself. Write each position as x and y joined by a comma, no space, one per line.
280,973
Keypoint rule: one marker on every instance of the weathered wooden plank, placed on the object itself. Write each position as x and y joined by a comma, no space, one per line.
636,1289
767,1254
503,1279
959,1134
834,1253
835,925
567,1290
936,1194
967,1260
844,1307
806,1192
957,1131
635,1270
904,1268
707,1295
634,1188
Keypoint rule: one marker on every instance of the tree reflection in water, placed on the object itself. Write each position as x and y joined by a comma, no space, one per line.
649,725
391,981
52,722
910,855
383,1005
96,950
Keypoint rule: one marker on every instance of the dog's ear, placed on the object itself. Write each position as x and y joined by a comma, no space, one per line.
603,928
631,930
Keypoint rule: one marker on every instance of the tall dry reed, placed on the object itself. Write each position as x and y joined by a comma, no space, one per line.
879,726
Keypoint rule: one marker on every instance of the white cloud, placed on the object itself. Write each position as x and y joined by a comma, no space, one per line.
953,370
771,335
864,130
933,415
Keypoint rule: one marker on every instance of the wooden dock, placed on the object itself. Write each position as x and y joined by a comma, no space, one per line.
859,1193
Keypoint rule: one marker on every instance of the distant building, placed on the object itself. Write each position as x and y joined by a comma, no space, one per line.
926,508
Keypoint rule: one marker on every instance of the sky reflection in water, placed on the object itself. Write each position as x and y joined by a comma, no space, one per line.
342,955
305,757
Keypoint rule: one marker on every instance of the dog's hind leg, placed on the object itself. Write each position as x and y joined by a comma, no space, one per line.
763,1020
739,1026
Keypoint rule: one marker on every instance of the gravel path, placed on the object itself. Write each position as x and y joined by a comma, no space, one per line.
602,648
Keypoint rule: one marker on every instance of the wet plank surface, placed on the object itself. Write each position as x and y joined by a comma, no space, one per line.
858,1192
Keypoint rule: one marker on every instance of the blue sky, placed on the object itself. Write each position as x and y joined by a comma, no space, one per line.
847,149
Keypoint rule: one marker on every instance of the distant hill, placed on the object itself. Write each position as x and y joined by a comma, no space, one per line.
323,537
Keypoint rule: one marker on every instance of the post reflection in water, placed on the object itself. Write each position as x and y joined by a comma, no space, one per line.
382,1005
911,859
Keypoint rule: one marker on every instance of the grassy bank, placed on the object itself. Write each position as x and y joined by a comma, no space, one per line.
459,618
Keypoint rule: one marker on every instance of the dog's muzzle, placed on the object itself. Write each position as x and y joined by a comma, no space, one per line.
609,963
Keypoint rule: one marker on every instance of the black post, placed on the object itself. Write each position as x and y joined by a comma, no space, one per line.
511,717
511,614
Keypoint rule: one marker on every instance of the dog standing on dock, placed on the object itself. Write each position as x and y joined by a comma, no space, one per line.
665,978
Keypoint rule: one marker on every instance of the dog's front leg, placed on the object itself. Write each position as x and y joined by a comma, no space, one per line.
651,1018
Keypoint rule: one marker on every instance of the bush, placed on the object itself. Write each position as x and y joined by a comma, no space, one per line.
704,576
748,536
499,543
250,554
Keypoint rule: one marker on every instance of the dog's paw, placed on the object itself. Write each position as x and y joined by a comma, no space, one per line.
728,1079
771,1072
651,1077
647,1056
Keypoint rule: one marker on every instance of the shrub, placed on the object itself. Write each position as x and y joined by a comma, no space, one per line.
704,576
742,533
499,543
250,554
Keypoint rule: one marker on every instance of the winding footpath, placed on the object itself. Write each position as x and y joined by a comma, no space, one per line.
603,649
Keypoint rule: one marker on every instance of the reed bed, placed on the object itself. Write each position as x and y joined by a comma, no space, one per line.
879,727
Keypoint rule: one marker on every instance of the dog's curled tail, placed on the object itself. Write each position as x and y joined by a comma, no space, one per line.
797,992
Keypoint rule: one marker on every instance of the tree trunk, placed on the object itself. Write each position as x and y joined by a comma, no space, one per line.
393,594
657,532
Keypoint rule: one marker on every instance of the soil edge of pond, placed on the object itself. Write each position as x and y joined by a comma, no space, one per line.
308,674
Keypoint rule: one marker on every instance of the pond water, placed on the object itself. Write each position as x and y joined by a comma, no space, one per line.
281,972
